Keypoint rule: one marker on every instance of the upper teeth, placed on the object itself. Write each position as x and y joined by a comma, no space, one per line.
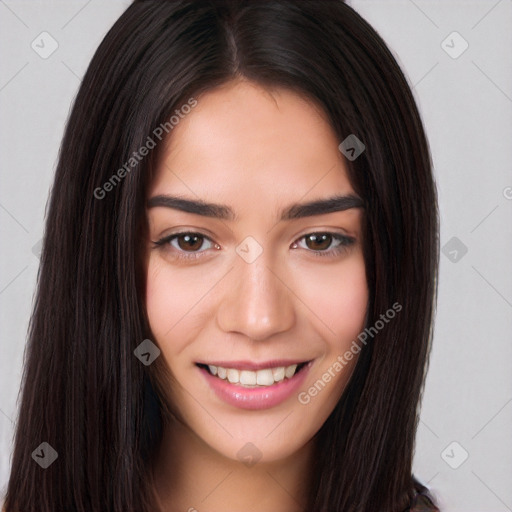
265,377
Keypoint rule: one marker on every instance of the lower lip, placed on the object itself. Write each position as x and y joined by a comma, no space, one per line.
255,398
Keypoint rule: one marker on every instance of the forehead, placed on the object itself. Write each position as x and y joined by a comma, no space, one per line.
244,141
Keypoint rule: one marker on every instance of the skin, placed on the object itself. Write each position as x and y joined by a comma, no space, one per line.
256,151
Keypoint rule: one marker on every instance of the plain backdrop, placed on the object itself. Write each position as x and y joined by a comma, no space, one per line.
457,58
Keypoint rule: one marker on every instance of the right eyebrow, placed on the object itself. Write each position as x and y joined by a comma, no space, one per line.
198,207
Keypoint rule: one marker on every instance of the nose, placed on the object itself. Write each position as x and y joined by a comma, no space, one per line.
257,301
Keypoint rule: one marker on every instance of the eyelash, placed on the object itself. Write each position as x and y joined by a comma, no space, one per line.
344,243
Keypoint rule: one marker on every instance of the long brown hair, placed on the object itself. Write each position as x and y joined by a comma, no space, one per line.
83,390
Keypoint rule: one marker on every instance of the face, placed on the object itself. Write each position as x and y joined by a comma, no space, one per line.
263,295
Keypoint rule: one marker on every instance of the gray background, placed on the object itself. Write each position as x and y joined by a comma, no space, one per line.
466,103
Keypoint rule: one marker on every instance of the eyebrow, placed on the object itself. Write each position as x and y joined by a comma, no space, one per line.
292,212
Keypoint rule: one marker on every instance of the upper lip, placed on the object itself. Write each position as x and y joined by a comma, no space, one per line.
250,365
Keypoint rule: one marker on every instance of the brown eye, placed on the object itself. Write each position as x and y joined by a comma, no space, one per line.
318,242
325,244
186,244
189,241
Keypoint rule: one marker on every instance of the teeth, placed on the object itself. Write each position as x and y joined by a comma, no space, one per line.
278,373
249,378
264,378
233,375
290,370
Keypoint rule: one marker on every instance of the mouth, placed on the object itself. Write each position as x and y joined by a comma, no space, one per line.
255,386
239,375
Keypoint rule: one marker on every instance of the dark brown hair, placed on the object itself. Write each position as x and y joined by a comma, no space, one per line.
83,390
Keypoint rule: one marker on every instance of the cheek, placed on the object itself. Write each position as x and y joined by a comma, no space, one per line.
170,297
339,296
159,303
178,303
340,305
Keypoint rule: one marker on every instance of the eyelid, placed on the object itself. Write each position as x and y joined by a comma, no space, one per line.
346,241
166,239
342,237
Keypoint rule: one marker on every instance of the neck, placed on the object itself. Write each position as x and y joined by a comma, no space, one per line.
190,476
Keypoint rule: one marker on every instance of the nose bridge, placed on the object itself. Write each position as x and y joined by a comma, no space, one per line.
256,302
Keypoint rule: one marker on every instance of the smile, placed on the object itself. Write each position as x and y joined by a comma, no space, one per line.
250,386
258,378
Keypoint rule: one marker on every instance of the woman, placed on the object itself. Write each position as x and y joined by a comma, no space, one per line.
239,271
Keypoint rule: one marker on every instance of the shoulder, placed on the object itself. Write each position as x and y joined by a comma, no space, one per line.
422,500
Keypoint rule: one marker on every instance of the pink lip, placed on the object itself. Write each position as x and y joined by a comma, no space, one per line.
255,398
251,365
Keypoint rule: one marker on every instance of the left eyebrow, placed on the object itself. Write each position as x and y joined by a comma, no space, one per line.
292,212
322,207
